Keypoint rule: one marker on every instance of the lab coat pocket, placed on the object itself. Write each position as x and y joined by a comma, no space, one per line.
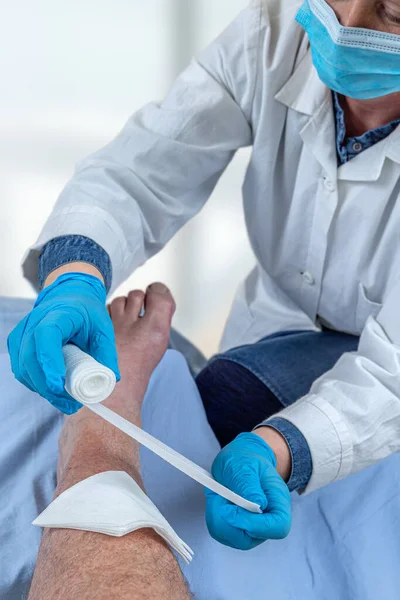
365,308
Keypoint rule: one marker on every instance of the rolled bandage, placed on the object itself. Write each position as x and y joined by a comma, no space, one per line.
86,380
85,377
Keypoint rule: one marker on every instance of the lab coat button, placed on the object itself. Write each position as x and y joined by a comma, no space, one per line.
308,278
330,186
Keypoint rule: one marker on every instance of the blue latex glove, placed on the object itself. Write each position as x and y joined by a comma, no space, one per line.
247,467
72,309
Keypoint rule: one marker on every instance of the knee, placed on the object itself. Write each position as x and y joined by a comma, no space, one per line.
216,382
225,382
220,385
235,400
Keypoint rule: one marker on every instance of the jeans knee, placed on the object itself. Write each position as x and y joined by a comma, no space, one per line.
235,400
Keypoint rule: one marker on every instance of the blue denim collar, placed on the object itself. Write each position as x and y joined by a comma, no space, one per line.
349,147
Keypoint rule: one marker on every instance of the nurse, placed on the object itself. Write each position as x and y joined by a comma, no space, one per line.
310,358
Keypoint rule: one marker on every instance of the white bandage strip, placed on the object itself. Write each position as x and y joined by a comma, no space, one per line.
82,387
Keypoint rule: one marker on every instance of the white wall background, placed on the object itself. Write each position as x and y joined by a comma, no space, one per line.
71,73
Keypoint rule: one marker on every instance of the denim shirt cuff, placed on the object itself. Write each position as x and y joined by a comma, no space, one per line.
72,248
299,450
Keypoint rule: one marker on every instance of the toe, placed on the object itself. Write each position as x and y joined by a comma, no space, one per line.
117,309
159,305
134,303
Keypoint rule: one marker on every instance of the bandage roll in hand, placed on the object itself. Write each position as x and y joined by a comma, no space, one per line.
86,380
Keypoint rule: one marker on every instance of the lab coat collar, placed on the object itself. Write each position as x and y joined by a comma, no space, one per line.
393,148
367,166
304,92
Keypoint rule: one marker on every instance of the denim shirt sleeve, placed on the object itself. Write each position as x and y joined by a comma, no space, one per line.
71,248
299,450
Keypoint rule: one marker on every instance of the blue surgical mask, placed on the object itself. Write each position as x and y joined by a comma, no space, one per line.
359,63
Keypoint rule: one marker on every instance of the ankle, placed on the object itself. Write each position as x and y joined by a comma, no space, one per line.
127,401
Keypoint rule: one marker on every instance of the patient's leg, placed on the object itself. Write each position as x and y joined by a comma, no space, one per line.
85,565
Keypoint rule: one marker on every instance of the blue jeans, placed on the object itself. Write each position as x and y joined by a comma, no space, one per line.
289,362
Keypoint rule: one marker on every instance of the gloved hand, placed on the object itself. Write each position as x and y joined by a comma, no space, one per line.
72,309
247,467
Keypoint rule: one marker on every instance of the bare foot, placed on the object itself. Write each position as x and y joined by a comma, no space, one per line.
141,343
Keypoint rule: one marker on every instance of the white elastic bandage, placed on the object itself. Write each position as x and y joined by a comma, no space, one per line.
84,375
86,380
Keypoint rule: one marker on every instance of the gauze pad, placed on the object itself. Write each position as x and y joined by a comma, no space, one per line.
84,376
111,503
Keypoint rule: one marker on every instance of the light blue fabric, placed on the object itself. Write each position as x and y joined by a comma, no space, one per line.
29,429
356,62
344,542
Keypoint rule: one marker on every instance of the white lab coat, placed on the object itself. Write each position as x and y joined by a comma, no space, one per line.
327,239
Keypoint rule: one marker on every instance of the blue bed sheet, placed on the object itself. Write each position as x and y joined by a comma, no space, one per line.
345,541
